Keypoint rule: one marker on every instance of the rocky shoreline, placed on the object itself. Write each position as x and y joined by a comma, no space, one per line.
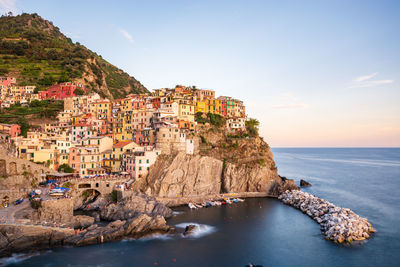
337,224
26,238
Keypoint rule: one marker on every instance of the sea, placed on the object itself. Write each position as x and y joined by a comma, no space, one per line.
265,232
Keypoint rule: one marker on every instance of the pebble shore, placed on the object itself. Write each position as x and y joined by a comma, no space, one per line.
337,224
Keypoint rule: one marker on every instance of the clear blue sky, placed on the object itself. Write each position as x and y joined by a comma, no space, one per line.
315,73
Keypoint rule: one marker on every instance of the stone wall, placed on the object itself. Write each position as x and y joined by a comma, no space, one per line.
10,165
18,176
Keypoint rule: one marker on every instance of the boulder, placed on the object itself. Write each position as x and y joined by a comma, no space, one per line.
116,224
82,221
20,238
304,183
189,229
133,206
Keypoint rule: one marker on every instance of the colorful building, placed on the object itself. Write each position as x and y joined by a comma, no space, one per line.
61,91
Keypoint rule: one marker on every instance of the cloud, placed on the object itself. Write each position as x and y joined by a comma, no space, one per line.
7,6
127,35
365,81
288,101
365,77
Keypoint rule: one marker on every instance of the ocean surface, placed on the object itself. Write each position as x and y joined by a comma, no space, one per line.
266,232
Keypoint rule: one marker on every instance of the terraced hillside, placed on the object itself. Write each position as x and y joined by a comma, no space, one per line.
37,53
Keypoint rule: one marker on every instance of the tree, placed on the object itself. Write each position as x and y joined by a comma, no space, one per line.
215,119
79,91
34,103
65,168
24,126
252,126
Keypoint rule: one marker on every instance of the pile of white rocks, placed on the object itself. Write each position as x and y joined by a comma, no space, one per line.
337,224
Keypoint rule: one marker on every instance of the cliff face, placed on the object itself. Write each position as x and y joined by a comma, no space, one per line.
223,165
132,206
182,175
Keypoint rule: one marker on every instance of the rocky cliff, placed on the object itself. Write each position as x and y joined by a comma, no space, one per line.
131,206
222,165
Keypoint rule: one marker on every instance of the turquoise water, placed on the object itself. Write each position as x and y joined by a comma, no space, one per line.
264,231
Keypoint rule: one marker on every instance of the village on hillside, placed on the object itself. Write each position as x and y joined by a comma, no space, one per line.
96,137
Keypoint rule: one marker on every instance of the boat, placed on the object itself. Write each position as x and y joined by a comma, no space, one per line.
55,192
198,206
192,206
240,199
19,201
228,201
218,203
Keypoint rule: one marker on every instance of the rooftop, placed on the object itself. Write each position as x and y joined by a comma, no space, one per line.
122,144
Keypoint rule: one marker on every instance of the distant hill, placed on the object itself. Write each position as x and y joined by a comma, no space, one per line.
34,51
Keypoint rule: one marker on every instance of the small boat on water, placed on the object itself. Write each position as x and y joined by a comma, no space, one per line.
207,204
228,201
199,206
240,199
192,206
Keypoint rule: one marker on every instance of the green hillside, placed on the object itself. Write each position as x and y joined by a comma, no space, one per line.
37,53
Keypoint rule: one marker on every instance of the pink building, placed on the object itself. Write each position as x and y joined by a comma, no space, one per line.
11,130
61,91
75,159
7,81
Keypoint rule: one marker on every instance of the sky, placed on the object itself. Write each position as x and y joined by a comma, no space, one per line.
314,73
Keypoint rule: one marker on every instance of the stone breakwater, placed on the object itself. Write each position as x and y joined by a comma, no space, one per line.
337,224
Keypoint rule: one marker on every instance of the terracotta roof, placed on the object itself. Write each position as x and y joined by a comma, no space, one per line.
81,125
122,144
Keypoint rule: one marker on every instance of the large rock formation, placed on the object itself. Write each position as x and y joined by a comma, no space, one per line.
22,238
14,239
222,165
182,175
132,206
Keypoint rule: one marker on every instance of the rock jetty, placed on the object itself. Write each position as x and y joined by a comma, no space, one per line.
337,224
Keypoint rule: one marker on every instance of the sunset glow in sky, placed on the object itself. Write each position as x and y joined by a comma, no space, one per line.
315,73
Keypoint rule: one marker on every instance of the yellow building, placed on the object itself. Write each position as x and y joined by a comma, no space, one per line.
211,106
45,156
218,107
186,111
201,106
102,110
117,155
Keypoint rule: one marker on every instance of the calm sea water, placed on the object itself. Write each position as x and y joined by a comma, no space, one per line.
264,231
